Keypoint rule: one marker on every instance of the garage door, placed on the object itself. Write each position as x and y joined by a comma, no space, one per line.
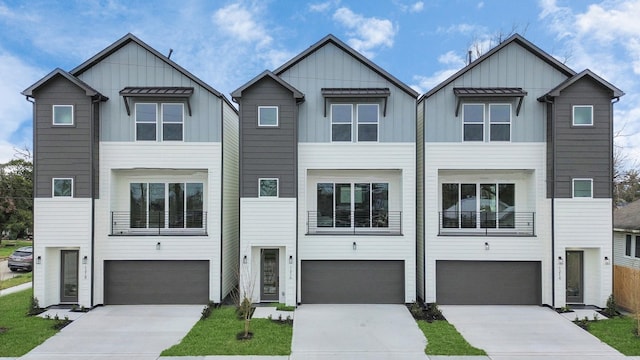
156,282
488,282
352,282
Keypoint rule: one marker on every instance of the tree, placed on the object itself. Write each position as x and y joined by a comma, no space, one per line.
16,196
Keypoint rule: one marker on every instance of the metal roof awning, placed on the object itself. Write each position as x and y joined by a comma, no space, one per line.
356,93
156,91
489,92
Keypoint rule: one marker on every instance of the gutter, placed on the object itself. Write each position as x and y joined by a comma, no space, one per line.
33,177
549,102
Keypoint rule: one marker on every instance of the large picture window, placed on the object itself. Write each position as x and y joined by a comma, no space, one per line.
166,205
346,205
478,205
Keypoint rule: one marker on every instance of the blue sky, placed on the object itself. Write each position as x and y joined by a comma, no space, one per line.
226,43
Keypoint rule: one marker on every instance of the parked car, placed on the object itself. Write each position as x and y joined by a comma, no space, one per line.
21,259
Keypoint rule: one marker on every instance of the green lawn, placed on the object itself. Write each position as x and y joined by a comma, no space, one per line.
444,339
7,247
217,336
17,280
23,332
618,333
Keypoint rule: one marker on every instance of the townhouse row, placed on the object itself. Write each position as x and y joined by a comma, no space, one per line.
331,182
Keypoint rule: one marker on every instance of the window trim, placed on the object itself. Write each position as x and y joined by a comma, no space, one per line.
351,137
500,122
268,196
377,123
573,115
573,188
169,122
135,115
53,188
277,124
628,246
474,123
167,206
53,115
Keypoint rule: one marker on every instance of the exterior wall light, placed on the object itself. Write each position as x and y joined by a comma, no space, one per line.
486,246
290,259
607,261
158,246
355,246
84,260
244,259
39,260
560,260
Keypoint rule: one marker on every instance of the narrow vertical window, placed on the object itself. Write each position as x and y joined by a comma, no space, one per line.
156,205
194,205
627,248
362,205
138,205
468,206
583,115
343,205
268,116
368,122
146,120
341,122
488,208
506,205
500,122
63,115
324,216
380,204
473,122
637,253
176,205
172,122
450,205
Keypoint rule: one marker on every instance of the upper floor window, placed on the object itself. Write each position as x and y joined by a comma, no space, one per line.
349,205
583,115
268,188
268,116
341,122
166,205
500,122
172,119
582,188
478,205
62,187
62,114
473,122
368,122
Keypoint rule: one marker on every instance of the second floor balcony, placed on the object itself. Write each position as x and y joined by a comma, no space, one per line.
345,222
166,223
486,223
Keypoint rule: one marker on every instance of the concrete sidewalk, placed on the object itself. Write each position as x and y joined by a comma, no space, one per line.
16,288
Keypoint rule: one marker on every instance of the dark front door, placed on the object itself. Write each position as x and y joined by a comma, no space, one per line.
269,275
575,277
69,276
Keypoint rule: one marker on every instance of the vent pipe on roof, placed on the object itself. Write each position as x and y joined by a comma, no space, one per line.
469,58
170,52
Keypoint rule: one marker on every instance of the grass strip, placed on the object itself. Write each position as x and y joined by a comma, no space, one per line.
444,339
618,332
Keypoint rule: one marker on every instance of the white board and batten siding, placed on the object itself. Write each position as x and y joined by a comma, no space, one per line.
60,224
121,161
230,204
521,163
392,162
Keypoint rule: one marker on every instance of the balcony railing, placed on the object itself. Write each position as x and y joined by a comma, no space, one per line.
376,222
124,223
485,223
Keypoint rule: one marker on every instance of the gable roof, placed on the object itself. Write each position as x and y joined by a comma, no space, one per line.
627,217
356,55
616,93
89,91
132,38
296,93
515,38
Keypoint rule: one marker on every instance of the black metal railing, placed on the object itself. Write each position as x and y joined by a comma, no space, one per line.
376,222
126,223
486,223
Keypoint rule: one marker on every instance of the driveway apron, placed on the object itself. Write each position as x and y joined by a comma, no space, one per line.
120,332
356,332
525,332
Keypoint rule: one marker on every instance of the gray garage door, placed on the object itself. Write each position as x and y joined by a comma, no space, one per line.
488,282
352,282
156,282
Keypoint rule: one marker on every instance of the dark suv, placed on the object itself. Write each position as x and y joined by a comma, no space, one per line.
21,259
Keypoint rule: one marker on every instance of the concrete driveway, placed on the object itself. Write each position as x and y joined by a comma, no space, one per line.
354,332
5,273
525,332
120,332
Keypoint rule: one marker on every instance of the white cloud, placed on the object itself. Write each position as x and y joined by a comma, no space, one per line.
462,28
417,7
366,34
453,63
480,5
320,7
240,23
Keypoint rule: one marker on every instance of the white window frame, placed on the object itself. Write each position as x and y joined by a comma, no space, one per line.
53,115
500,122
573,115
573,188
170,122
260,124
358,123
484,119
53,188
342,123
260,180
135,114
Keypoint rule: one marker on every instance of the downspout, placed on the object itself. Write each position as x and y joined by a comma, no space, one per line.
222,172
93,195
33,175
551,122
615,100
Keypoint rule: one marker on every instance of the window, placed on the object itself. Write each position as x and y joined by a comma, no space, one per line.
63,115
368,122
267,116
627,247
582,115
268,188
166,205
582,188
62,187
346,205
473,122
478,206
172,122
146,119
500,122
341,122
637,254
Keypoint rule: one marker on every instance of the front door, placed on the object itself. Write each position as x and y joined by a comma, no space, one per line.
269,275
575,277
69,276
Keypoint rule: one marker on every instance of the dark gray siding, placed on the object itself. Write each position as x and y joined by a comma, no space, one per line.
488,282
352,281
267,152
62,151
586,151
